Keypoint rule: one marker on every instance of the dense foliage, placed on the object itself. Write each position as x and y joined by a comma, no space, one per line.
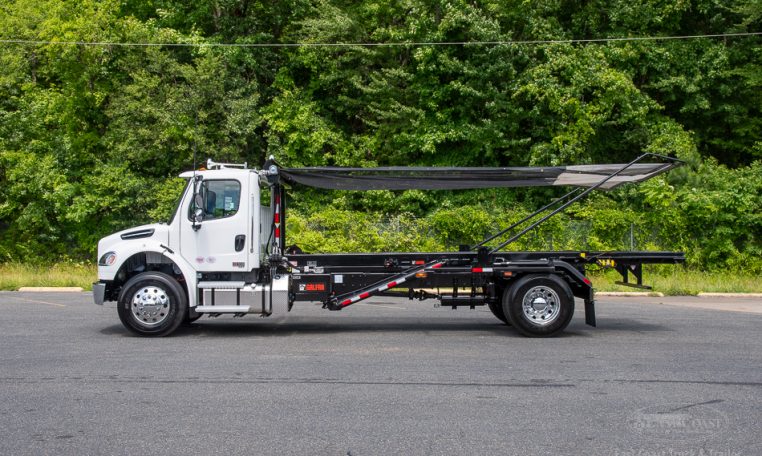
91,136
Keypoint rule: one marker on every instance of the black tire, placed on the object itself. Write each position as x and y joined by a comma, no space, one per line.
152,304
549,290
497,310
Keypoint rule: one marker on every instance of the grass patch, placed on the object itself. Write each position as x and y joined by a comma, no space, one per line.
14,276
671,280
676,281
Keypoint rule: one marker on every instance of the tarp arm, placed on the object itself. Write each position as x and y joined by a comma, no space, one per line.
527,218
582,195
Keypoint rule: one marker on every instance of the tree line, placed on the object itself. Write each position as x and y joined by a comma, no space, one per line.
92,136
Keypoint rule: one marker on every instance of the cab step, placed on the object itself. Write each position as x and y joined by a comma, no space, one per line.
223,309
222,285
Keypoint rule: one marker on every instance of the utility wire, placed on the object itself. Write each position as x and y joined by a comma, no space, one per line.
393,44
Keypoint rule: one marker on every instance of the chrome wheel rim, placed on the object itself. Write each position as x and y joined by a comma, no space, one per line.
541,305
150,306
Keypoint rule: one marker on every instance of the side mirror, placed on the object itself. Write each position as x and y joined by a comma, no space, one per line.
198,204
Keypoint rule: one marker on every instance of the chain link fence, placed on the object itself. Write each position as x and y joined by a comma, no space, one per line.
407,233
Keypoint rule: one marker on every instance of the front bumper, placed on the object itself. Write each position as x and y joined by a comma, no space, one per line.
99,293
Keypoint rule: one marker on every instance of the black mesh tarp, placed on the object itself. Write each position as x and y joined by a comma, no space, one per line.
441,178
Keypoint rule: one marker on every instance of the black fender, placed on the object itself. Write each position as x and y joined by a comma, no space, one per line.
582,288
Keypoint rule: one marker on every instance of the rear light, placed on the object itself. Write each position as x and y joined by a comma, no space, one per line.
421,275
587,281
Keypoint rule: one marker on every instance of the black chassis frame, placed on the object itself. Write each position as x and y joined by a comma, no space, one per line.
470,280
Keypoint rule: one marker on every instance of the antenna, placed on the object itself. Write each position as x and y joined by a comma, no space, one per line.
195,224
195,143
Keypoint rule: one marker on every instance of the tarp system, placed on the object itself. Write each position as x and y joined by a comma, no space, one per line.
445,178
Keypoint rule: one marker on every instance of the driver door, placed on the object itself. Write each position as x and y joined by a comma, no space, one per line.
219,241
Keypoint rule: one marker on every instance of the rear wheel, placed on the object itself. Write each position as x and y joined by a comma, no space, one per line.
152,304
539,305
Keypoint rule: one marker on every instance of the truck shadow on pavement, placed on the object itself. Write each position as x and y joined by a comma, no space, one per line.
292,327
221,328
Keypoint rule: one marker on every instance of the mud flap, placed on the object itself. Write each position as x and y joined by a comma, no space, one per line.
590,309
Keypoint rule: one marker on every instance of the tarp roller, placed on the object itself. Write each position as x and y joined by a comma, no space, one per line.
446,178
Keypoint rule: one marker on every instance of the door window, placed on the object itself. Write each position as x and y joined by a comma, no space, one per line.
220,199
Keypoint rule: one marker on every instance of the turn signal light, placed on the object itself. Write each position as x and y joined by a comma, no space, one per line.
107,259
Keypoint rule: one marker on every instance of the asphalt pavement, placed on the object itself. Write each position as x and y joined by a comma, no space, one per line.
386,376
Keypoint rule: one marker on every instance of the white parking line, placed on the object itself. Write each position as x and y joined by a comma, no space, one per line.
37,302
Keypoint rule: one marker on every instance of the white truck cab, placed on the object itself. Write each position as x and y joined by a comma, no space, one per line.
210,257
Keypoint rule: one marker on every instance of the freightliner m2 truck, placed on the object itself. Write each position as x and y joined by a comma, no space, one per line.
224,252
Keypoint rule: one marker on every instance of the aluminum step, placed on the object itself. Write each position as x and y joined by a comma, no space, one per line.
223,309
222,285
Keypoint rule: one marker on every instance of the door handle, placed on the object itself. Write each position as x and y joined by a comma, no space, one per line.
240,240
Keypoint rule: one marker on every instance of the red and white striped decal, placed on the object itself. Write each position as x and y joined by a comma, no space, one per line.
390,285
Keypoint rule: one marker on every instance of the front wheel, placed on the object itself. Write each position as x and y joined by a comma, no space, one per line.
539,305
152,304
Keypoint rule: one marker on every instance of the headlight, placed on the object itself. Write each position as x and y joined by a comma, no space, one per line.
107,259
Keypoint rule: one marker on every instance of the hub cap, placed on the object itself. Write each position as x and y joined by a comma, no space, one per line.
541,305
150,306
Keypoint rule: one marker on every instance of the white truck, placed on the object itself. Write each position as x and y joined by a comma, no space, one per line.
222,252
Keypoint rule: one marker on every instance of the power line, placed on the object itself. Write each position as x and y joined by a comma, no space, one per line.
393,44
